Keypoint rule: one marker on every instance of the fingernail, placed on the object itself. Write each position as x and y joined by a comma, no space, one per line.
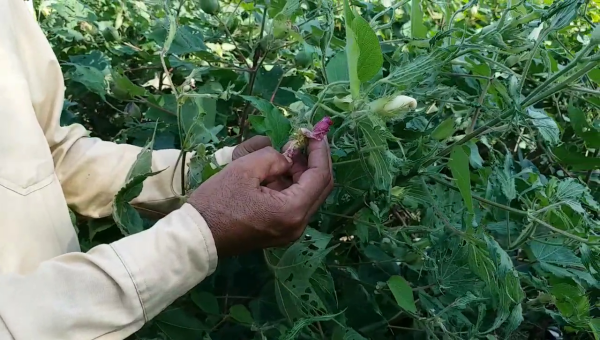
288,159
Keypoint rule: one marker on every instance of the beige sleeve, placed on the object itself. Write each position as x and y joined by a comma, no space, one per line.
111,291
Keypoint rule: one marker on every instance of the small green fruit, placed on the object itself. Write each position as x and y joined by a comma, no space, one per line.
232,24
281,29
302,59
210,6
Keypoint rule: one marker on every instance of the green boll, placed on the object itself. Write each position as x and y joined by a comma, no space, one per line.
210,6
303,59
232,24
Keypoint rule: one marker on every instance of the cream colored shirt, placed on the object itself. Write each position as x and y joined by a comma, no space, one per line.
49,289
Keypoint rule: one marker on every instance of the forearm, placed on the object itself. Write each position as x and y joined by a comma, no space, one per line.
111,291
92,171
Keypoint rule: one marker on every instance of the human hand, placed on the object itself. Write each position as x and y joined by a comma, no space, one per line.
299,162
244,213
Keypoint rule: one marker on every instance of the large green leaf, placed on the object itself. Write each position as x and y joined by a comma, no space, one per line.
178,324
402,293
125,216
187,39
545,124
377,159
362,49
276,124
459,166
370,58
300,276
92,78
337,68
417,29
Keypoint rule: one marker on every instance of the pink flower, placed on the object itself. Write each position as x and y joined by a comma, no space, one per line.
319,132
321,129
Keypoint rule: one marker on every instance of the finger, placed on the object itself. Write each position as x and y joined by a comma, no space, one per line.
251,145
299,166
325,193
307,191
262,164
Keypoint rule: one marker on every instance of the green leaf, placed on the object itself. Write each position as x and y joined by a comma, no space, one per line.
125,216
370,58
514,319
352,52
300,275
178,324
444,130
572,303
276,124
293,333
337,68
241,314
124,89
377,157
206,301
402,293
557,254
546,126
574,159
588,133
186,40
506,179
474,157
92,78
258,123
595,327
417,29
459,166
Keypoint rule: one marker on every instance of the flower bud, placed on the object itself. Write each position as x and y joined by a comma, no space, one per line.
393,105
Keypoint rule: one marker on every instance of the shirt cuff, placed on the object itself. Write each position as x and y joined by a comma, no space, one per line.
224,155
167,260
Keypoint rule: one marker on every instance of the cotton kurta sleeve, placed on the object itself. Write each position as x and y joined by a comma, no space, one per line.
112,290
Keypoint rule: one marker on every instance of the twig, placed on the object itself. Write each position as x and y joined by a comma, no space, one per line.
480,103
230,36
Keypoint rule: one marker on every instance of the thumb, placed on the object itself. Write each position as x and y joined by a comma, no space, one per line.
262,164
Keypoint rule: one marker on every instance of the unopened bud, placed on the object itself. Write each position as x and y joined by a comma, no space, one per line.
392,106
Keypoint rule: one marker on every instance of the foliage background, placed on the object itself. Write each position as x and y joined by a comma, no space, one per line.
472,216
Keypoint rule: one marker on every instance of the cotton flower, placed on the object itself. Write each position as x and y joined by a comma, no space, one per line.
299,138
392,106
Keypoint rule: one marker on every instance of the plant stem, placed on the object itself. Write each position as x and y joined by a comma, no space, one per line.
538,42
230,36
558,74
560,86
480,103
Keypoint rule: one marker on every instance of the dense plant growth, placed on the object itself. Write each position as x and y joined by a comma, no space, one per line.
465,139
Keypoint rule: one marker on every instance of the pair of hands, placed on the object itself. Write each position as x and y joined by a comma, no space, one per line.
262,199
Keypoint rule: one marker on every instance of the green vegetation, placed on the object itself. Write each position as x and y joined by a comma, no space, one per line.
470,214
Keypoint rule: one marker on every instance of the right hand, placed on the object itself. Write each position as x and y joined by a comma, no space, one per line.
244,214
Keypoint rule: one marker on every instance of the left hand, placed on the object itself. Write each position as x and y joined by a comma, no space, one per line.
299,162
